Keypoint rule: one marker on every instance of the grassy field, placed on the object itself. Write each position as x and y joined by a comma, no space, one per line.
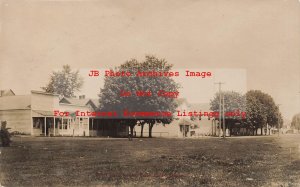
244,161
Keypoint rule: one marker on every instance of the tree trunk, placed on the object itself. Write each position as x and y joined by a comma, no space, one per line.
150,130
142,129
131,129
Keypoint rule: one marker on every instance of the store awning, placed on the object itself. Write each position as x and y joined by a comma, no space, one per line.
42,113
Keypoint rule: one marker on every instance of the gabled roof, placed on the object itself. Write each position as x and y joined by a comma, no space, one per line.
15,102
194,106
181,101
65,100
205,107
74,101
96,102
186,121
79,102
6,93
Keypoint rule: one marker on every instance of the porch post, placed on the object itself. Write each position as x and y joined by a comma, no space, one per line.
45,126
31,120
88,131
74,122
54,127
92,123
62,125
212,127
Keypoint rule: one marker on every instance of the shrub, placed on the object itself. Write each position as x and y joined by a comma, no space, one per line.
5,135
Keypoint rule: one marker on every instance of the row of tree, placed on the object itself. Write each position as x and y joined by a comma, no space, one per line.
261,110
260,107
296,122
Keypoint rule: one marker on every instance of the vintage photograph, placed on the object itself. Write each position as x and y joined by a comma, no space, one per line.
149,93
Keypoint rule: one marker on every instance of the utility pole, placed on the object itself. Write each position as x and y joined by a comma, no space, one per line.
224,129
220,113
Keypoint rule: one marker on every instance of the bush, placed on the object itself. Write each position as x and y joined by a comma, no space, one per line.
5,135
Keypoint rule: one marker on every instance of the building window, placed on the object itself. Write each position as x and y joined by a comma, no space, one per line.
38,123
65,121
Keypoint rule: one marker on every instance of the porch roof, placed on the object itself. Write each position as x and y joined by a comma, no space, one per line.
42,113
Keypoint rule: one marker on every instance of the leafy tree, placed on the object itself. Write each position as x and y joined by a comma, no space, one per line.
65,82
262,110
111,100
234,102
256,115
296,121
142,124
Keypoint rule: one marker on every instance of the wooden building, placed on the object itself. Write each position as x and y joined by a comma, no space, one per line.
183,126
34,115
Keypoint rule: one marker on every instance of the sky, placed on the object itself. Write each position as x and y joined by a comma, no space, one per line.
250,44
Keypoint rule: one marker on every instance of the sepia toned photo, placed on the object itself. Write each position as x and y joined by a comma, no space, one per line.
149,93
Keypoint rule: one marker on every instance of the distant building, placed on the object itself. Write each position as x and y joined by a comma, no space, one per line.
184,126
34,114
